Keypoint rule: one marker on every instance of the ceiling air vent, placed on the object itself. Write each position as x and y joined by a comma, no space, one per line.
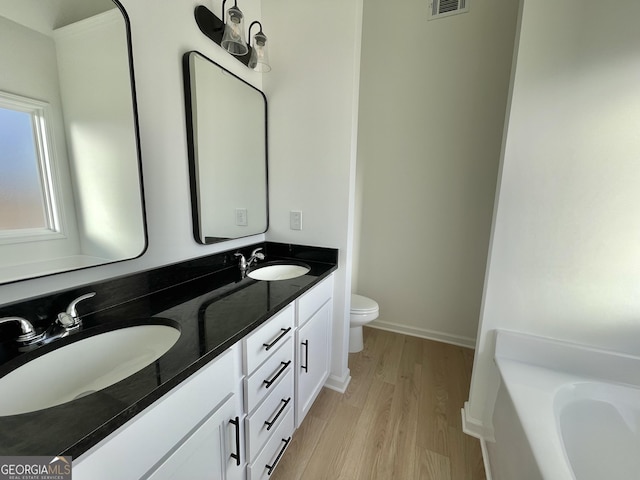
444,8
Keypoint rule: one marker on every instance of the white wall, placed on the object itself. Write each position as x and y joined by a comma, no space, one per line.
432,104
565,252
312,92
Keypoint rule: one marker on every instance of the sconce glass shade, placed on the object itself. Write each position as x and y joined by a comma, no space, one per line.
259,60
233,38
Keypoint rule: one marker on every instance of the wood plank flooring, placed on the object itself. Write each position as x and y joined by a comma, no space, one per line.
398,420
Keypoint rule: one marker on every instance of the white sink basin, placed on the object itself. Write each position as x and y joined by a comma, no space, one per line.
278,272
84,367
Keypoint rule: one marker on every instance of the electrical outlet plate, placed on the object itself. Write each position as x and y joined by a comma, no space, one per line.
295,220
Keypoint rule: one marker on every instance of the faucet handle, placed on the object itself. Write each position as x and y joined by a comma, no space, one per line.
71,309
257,254
243,261
28,332
70,318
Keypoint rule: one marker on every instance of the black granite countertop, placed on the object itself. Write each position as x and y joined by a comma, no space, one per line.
213,311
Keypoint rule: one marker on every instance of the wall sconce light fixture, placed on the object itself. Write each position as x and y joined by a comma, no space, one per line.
233,37
230,36
259,60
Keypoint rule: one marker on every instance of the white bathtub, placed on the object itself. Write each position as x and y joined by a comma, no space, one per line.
565,411
600,428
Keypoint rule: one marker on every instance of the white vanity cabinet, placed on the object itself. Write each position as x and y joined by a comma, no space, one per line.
269,392
196,431
235,417
313,345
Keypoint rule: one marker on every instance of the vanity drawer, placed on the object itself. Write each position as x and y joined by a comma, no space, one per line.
272,453
265,340
264,380
310,302
268,416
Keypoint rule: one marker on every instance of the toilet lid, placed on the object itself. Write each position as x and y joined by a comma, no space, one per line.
360,304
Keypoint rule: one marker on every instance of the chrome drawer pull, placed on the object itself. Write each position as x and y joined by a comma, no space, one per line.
236,455
268,346
275,419
268,383
284,447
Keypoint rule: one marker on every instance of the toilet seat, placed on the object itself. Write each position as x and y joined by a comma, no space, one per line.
362,305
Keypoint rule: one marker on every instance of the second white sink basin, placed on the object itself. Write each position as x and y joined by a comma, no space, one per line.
83,367
279,272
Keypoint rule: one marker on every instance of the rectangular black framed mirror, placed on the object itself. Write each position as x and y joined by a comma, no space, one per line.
71,181
227,142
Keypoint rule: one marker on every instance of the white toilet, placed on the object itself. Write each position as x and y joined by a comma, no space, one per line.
363,311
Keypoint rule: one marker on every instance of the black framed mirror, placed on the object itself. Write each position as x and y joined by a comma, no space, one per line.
227,141
71,190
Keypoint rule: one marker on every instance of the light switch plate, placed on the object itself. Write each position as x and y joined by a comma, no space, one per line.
241,217
295,220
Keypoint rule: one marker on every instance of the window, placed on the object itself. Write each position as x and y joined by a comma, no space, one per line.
28,206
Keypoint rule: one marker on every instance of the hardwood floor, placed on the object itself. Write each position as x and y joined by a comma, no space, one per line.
398,420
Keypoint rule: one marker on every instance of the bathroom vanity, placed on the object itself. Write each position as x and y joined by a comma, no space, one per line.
223,402
252,355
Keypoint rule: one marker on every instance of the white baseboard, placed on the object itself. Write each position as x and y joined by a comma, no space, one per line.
475,428
424,333
485,459
339,384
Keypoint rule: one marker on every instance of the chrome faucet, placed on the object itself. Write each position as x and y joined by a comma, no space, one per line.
246,264
28,334
66,323
70,320
255,256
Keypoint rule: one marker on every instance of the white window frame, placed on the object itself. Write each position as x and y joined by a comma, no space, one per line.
43,140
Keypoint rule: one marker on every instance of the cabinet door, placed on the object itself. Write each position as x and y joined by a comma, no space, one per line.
312,366
311,301
139,445
210,452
